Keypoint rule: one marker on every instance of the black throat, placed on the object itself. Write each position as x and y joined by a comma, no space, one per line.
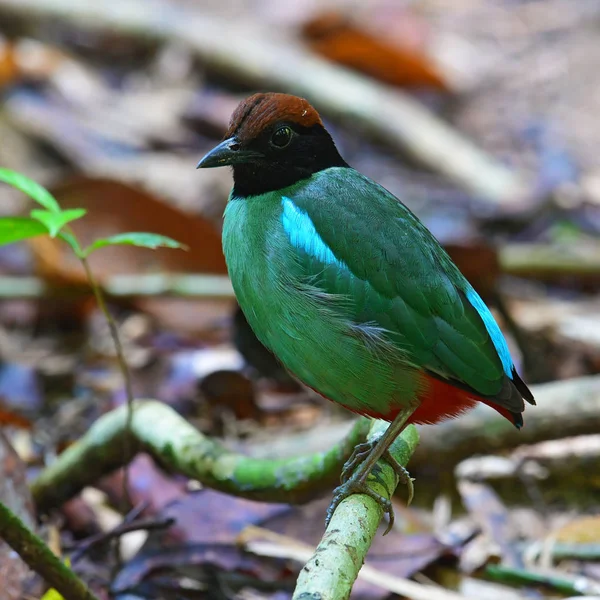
312,151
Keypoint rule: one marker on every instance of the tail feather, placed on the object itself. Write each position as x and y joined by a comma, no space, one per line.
522,387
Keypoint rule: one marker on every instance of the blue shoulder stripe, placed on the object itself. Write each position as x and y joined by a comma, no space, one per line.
303,235
494,331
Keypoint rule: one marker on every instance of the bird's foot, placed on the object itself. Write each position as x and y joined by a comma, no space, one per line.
357,486
403,475
362,451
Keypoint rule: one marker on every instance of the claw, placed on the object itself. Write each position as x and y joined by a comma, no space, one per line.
360,453
359,487
403,475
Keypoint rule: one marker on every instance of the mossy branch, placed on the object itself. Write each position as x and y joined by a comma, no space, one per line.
173,442
36,554
334,567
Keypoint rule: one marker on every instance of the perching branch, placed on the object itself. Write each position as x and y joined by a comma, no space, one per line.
262,60
334,567
40,558
176,444
264,542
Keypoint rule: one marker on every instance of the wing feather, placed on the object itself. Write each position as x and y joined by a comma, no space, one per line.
372,249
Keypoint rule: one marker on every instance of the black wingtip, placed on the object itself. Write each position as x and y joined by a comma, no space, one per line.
522,387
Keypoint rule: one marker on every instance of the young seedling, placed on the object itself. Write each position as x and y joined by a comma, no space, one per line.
52,220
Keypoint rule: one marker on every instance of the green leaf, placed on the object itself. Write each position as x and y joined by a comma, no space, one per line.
34,190
15,229
143,240
55,221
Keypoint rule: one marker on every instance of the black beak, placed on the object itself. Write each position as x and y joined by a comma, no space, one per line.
228,152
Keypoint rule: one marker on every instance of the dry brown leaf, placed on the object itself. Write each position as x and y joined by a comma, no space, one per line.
339,39
9,70
117,208
9,418
478,262
29,59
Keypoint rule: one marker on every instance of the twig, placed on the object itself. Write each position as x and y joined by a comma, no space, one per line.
551,261
562,582
121,529
260,59
124,368
175,443
561,550
211,287
542,468
40,558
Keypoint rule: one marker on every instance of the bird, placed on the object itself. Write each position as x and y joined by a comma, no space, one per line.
348,288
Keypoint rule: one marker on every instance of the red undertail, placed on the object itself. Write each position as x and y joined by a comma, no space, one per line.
441,400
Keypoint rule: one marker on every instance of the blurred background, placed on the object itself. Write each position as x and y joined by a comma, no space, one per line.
480,115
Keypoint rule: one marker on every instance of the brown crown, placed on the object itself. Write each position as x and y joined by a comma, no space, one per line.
254,114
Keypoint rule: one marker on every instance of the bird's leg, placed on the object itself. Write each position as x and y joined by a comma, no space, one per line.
363,459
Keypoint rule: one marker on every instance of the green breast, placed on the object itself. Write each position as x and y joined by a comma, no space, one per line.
311,333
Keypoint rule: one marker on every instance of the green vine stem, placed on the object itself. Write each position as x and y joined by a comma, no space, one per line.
158,430
114,333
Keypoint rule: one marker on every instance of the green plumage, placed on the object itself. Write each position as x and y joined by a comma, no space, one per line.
360,329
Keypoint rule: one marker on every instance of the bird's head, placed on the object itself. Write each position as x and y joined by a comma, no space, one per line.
273,141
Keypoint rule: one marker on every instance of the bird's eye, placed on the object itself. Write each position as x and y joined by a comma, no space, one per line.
281,137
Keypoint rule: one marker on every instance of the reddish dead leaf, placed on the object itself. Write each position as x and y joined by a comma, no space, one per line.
8,418
478,262
9,70
212,517
80,518
148,485
339,39
116,208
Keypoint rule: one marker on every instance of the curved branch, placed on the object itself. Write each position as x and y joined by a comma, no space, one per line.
171,440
